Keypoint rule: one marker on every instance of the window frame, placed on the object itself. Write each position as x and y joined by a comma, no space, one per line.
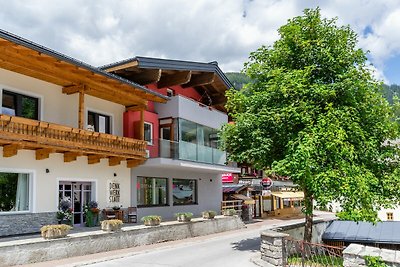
100,113
196,193
153,205
20,94
389,216
31,192
151,133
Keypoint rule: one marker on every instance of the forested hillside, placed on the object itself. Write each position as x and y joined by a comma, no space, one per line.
239,79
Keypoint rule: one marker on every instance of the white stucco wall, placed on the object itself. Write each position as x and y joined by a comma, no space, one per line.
44,197
181,107
382,214
209,187
57,107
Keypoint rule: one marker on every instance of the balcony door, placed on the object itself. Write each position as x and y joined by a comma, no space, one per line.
80,194
166,141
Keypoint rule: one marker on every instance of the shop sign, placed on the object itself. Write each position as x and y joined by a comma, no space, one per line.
114,192
266,183
227,178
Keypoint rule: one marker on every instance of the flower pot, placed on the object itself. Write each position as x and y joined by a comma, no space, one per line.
183,218
151,222
109,226
55,231
208,216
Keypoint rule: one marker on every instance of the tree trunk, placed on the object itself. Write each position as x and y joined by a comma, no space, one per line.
308,205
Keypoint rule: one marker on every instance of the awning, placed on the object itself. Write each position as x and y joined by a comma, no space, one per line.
291,195
247,200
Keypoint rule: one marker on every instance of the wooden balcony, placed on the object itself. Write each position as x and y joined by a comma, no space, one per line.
46,138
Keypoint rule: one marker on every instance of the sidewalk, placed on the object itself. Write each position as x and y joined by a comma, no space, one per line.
123,253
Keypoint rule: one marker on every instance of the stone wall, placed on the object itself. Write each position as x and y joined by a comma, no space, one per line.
354,254
296,231
272,247
37,249
15,224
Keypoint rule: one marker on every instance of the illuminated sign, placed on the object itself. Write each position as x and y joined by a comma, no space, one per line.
227,178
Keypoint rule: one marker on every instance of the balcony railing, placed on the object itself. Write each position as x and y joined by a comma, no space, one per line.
189,151
32,134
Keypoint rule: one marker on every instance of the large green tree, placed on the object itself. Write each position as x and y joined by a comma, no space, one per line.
315,113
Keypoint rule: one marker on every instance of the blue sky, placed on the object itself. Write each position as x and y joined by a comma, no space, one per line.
99,31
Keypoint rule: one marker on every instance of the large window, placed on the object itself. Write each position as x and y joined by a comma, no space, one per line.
14,192
152,191
20,105
99,122
148,133
184,191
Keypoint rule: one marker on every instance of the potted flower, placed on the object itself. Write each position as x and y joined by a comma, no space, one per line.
111,225
55,231
91,211
208,214
229,212
151,220
184,216
64,213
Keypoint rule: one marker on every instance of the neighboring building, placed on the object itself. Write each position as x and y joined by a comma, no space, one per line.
48,100
381,234
183,172
273,195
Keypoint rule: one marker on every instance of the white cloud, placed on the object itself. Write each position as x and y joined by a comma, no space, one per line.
101,32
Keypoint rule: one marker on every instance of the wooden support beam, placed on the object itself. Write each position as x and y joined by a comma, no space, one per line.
145,76
178,78
43,153
130,163
73,89
114,161
81,111
70,156
93,159
200,79
10,150
141,126
136,107
123,66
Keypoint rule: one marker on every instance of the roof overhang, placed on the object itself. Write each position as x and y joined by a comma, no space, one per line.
204,77
28,58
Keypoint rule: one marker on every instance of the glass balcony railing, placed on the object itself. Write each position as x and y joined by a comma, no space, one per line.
189,151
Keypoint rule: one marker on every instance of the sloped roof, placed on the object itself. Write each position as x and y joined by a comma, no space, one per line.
386,232
233,188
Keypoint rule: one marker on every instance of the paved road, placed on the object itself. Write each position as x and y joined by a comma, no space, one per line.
233,249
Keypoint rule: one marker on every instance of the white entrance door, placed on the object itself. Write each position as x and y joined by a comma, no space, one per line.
80,194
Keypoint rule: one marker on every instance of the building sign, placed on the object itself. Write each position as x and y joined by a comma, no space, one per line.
114,192
227,178
266,183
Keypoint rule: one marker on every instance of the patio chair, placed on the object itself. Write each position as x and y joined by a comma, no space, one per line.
132,215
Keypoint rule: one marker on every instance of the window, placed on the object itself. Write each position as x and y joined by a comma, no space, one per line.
184,191
389,216
14,192
99,122
20,105
148,133
170,92
152,191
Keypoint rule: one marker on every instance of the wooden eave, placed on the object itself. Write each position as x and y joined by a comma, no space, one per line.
46,67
